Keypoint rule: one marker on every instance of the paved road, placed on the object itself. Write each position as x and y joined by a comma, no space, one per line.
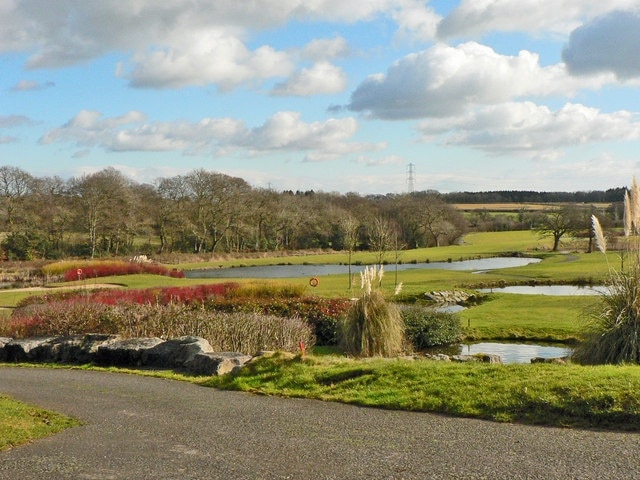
143,428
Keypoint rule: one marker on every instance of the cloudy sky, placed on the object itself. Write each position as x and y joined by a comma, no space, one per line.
329,95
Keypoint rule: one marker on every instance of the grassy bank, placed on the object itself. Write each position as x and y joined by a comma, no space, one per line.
21,423
606,397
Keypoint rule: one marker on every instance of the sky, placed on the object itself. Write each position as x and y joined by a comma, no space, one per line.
366,96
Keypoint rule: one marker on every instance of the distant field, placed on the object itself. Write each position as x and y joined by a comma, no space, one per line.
514,207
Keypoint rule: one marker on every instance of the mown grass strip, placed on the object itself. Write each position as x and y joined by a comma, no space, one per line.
21,423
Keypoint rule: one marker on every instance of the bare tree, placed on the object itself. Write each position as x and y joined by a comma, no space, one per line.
104,204
558,223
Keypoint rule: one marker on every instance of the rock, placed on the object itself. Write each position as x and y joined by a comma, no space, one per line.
450,296
21,350
477,357
127,352
559,360
3,354
441,357
175,353
219,363
70,349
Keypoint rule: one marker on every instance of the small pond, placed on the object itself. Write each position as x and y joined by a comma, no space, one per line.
559,290
509,352
295,271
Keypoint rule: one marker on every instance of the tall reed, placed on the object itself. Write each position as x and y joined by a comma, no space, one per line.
373,326
613,331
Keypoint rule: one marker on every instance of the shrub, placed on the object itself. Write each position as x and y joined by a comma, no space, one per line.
239,331
96,269
427,328
373,326
613,333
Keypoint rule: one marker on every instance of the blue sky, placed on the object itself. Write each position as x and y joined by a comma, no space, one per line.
326,94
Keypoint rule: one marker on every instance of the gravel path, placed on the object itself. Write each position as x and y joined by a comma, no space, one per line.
143,428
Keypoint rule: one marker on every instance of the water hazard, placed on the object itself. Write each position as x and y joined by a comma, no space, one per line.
296,271
559,290
508,352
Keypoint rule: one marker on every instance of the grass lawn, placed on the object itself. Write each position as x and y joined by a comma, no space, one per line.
527,317
21,423
543,394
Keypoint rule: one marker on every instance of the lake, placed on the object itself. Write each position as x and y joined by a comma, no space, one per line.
509,352
297,271
559,290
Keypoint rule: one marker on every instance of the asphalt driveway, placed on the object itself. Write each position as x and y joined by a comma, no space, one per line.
143,428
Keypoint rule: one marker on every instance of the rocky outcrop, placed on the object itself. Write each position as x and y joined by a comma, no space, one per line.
451,297
557,360
191,354
477,357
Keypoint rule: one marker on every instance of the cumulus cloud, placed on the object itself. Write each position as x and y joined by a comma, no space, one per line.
445,80
606,44
531,130
473,17
284,131
322,78
173,43
207,58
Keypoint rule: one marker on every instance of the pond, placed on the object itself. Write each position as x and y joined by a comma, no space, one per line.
509,352
297,271
559,290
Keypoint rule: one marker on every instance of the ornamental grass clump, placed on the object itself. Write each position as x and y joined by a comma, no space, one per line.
373,326
613,334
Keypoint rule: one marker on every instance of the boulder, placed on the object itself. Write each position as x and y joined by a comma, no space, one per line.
450,297
70,348
559,360
477,357
125,352
175,353
219,363
3,342
441,357
21,350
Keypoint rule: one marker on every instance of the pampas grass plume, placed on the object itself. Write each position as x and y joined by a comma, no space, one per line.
601,241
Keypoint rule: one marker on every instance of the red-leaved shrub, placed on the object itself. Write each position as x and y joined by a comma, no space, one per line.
107,269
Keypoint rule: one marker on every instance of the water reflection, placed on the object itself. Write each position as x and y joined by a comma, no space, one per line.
294,271
560,290
509,352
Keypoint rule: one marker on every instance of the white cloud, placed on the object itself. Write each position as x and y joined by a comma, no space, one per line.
445,80
284,131
606,44
325,49
322,78
531,130
173,43
207,58
476,17
416,20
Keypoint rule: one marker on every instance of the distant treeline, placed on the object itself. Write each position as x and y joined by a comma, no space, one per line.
524,196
